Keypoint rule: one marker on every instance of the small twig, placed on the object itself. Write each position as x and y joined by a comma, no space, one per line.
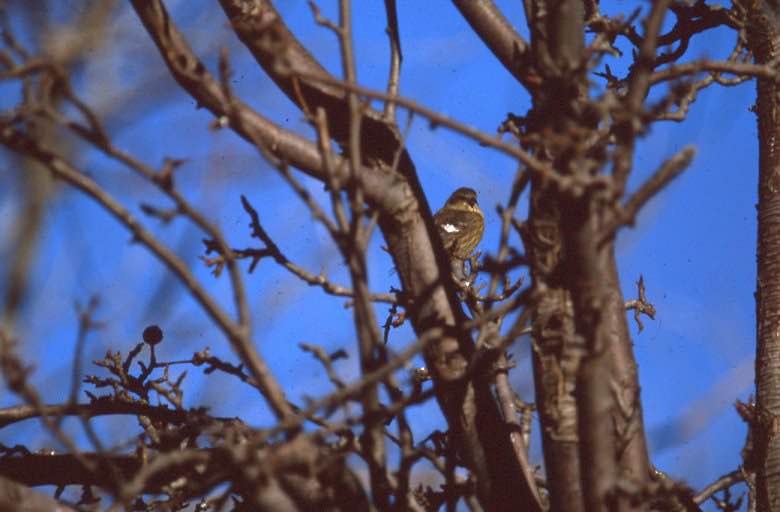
766,71
394,320
105,407
322,20
437,119
668,171
272,250
237,333
214,363
396,56
507,398
16,376
326,360
165,215
724,482
641,305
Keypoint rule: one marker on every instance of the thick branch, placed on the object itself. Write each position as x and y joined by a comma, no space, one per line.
19,413
499,36
14,495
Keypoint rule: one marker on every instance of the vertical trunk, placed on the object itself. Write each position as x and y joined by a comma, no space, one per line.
555,358
633,457
764,37
611,433
477,428
557,30
555,364
589,380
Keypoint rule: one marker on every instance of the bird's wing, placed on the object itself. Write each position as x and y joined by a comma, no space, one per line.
450,223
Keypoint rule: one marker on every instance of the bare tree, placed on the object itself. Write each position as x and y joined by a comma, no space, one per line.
573,150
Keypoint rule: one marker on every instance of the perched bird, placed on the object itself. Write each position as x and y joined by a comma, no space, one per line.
460,223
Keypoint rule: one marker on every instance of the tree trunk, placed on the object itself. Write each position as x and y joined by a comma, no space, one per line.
556,357
764,36
613,450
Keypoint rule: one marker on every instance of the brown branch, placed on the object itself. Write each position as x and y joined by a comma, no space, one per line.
766,71
101,407
396,56
724,482
285,59
237,335
404,218
14,495
641,305
500,37
638,85
192,75
272,250
61,470
436,119
667,172
507,398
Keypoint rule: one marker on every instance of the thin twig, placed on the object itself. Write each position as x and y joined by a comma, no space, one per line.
766,71
326,360
720,484
272,250
641,305
668,171
236,334
436,119
396,56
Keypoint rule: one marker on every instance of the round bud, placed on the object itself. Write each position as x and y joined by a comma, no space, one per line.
153,335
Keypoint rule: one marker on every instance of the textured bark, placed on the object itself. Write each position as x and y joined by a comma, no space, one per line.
612,441
498,35
555,358
764,36
390,184
555,363
592,361
19,498
557,33
299,475
632,456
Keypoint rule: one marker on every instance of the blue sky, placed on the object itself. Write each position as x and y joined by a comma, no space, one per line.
694,244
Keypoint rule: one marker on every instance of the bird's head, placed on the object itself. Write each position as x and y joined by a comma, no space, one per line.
463,199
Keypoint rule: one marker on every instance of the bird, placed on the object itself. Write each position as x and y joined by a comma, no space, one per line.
460,223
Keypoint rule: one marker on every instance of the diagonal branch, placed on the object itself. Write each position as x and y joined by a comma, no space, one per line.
238,336
272,250
193,76
668,171
643,67
404,218
499,36
396,56
263,31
